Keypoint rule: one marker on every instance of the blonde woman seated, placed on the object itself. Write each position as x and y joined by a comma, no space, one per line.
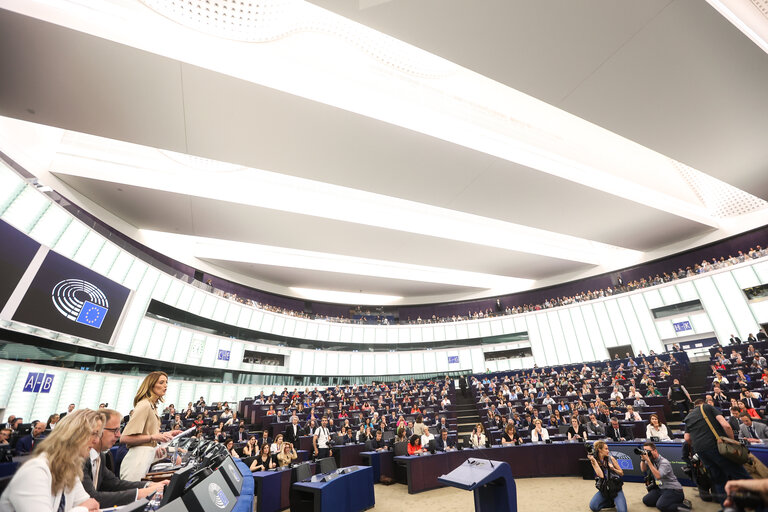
277,446
50,480
657,429
632,414
539,433
477,438
287,456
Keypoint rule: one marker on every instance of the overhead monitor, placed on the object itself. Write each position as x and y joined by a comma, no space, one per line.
16,252
67,297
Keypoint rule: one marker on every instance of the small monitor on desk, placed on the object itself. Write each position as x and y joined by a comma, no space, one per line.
326,465
302,472
176,486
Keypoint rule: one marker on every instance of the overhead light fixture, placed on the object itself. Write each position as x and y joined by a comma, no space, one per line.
749,16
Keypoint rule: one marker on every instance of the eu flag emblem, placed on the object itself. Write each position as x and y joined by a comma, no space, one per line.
92,314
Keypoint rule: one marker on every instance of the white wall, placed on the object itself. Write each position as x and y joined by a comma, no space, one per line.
580,332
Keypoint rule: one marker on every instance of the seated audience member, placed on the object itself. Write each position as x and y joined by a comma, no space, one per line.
401,437
632,414
614,431
287,455
539,433
5,434
378,443
251,447
27,443
50,480
277,446
346,435
264,460
595,427
361,435
230,444
668,495
443,443
52,420
657,429
241,436
414,445
101,483
265,439
510,436
752,431
577,431
652,391
426,437
477,438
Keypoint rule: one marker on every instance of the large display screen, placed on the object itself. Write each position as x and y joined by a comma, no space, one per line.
69,298
16,251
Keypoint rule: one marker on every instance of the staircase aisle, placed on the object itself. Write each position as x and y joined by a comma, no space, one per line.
466,417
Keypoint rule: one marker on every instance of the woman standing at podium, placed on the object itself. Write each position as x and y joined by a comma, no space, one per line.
142,433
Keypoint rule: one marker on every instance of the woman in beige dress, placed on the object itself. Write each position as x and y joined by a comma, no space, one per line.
142,433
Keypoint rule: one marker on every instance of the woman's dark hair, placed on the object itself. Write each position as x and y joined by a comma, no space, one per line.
419,419
415,438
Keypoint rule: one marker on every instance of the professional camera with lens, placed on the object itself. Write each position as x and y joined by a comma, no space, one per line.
742,501
640,451
590,448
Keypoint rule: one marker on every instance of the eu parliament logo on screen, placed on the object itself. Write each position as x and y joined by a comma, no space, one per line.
69,298
80,301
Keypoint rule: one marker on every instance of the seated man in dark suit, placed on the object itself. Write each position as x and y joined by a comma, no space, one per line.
293,431
595,427
101,483
27,443
615,431
242,435
752,431
443,444
377,443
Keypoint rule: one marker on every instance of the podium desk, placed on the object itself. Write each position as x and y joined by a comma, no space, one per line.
349,492
492,483
382,464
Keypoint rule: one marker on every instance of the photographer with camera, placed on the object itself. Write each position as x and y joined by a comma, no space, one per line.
664,491
704,426
608,479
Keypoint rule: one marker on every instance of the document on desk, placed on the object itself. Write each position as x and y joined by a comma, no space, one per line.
135,506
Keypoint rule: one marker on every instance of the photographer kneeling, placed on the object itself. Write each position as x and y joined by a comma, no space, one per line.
609,482
664,491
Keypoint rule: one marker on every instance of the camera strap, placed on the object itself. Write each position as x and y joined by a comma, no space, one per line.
706,418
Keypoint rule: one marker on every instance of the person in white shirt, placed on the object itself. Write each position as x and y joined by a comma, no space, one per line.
320,439
539,433
632,414
477,438
50,480
426,437
657,429
277,446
